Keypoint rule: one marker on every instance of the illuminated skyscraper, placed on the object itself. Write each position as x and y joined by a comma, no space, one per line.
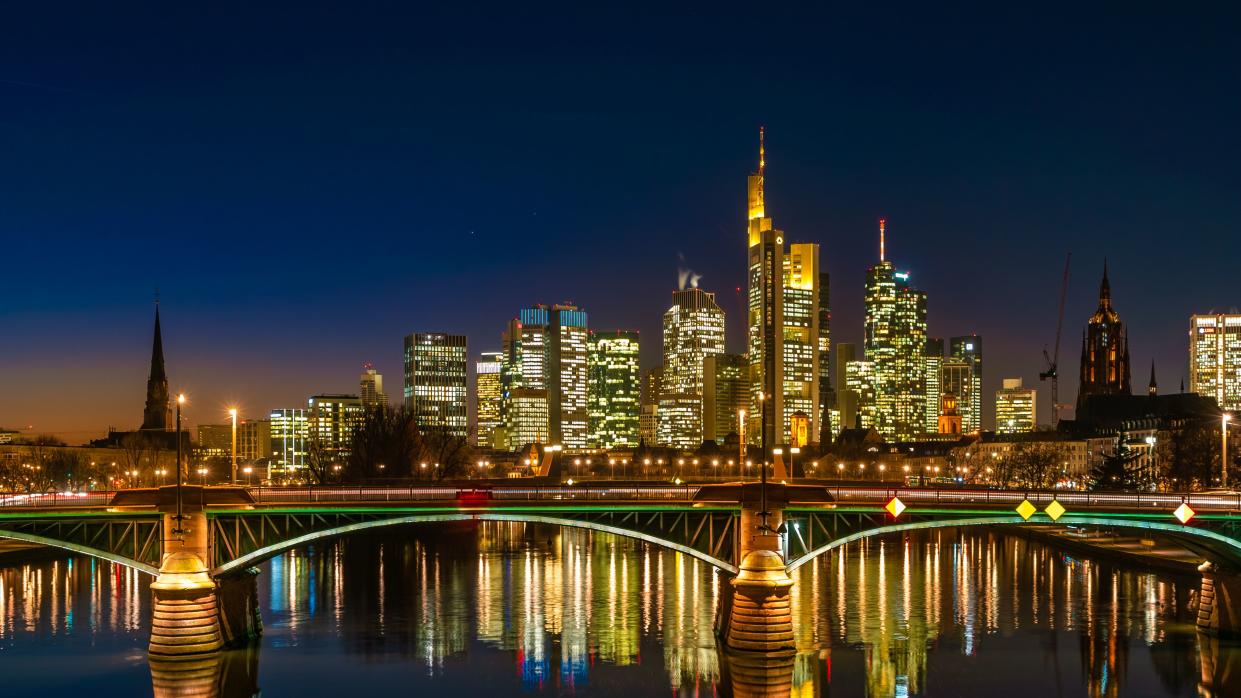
546,350
788,341
1105,350
895,344
969,396
487,396
1015,408
956,378
725,392
932,363
859,384
435,381
290,432
615,392
332,420
371,388
693,330
1215,358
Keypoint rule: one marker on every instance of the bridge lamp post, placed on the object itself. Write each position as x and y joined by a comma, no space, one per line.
741,442
1223,448
232,413
793,450
247,470
180,513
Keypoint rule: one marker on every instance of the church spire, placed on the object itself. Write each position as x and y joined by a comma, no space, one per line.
1153,388
1105,288
155,416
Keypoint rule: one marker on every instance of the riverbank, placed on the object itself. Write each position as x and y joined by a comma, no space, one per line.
1131,550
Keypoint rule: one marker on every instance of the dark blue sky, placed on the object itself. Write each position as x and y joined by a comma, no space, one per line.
306,183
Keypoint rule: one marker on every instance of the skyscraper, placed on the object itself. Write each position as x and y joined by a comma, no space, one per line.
932,363
969,396
487,396
895,343
371,388
956,378
546,352
725,392
155,417
861,391
1215,358
331,421
615,391
1015,408
435,381
846,398
1105,350
290,430
787,341
693,330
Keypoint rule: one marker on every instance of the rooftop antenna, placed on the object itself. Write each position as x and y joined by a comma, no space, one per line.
882,222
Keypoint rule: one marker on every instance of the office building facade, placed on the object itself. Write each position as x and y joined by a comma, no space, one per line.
1215,358
1016,408
615,390
435,382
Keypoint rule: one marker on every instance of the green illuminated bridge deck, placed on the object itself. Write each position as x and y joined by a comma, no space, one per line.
250,525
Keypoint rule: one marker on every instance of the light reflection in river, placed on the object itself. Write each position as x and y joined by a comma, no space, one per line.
510,609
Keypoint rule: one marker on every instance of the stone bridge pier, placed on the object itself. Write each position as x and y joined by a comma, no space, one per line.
193,614
1219,601
758,617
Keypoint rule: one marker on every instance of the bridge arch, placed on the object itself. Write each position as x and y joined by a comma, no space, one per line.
270,551
1207,540
81,550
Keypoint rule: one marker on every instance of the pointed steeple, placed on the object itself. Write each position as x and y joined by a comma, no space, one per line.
1153,388
1105,288
155,416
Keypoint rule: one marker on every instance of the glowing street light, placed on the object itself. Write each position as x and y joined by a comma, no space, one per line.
1223,448
232,413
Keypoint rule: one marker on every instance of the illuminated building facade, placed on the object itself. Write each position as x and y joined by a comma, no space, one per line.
487,394
788,340
845,414
932,365
1015,408
290,435
331,420
615,390
435,381
725,392
526,417
1215,358
895,346
949,420
1105,350
860,383
371,388
956,378
693,330
546,349
969,393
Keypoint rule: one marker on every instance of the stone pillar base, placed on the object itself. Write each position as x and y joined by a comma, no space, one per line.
185,622
760,674
186,677
762,617
240,620
1219,602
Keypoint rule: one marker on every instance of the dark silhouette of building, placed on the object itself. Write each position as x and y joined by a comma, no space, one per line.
1105,350
156,417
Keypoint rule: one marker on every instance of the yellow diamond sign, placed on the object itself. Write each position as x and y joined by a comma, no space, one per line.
1055,510
1183,513
1026,509
895,507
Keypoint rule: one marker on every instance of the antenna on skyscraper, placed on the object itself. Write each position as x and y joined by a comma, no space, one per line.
762,151
882,222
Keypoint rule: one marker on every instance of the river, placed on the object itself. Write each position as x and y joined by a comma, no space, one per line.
507,609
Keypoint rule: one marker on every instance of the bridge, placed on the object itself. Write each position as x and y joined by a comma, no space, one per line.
204,562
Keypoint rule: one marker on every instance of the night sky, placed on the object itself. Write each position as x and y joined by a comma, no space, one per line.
305,184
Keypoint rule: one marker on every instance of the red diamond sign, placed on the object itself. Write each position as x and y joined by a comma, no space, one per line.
1183,513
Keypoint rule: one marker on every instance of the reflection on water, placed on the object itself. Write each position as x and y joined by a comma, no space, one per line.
514,609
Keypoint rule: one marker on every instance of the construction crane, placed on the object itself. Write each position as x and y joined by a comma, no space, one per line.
1053,360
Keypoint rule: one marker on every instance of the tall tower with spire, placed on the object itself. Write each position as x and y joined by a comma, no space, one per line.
156,416
788,331
1105,350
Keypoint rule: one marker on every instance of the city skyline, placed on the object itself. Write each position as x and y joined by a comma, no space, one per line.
985,181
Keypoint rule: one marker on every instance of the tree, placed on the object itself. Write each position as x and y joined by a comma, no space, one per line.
389,444
1035,465
1192,458
1116,471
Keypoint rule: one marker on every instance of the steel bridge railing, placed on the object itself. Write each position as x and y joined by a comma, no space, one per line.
843,495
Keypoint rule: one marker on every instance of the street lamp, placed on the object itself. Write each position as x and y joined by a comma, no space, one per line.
247,470
793,450
1223,448
177,530
232,412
